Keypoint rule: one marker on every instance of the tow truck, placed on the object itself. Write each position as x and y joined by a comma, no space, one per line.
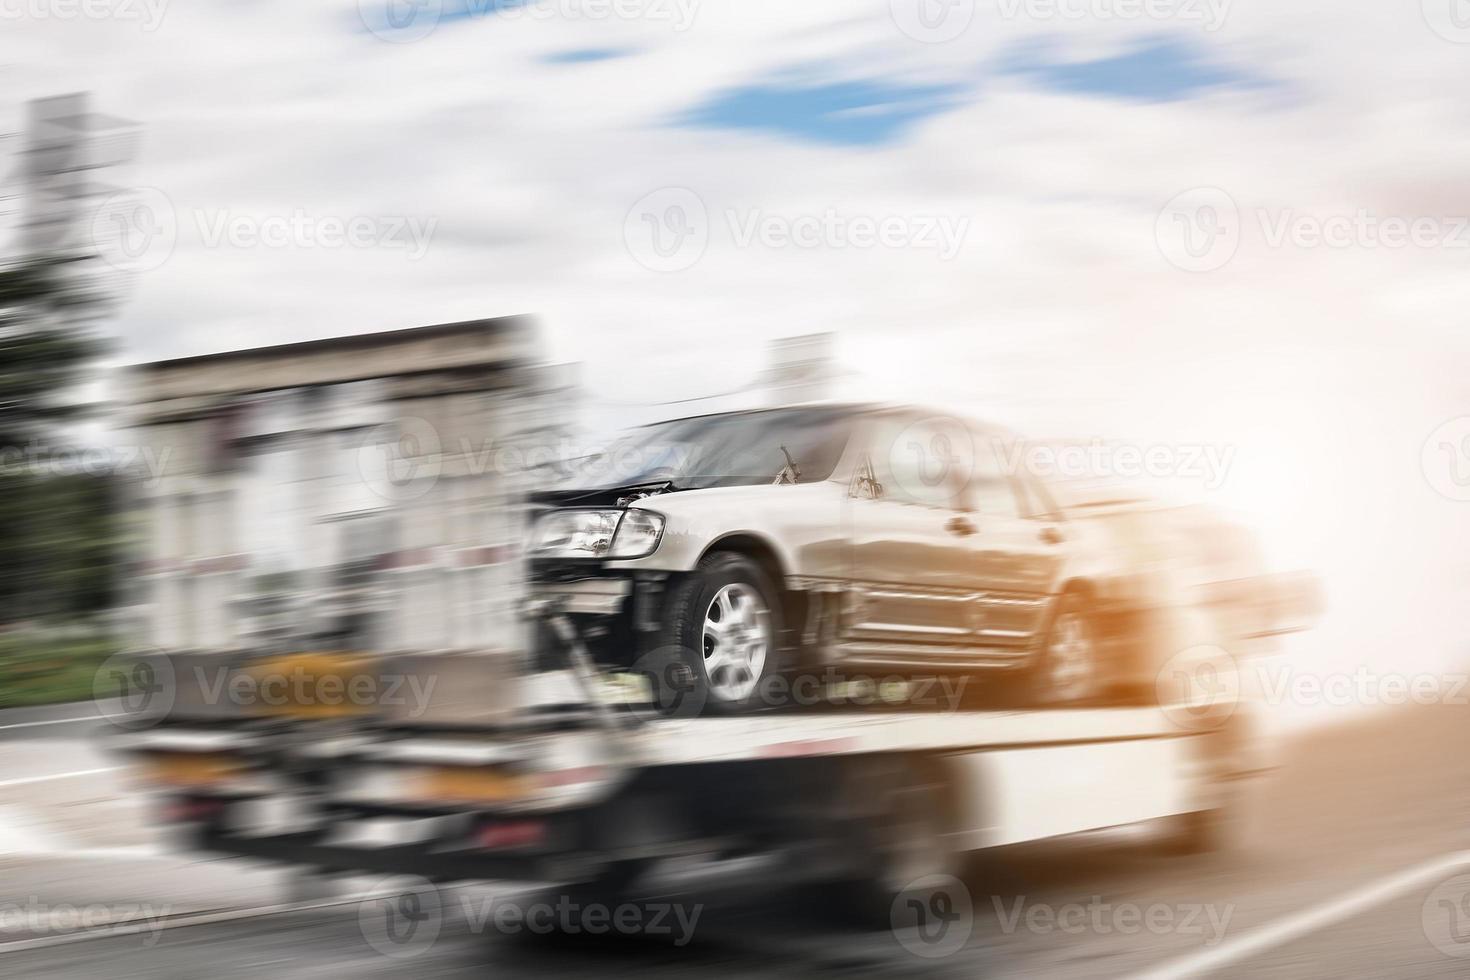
507,764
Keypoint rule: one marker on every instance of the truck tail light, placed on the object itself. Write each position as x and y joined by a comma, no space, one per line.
511,834
191,810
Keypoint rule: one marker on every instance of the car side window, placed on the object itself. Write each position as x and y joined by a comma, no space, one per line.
991,490
1037,503
919,460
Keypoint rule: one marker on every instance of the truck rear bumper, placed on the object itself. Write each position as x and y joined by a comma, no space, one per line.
436,860
438,841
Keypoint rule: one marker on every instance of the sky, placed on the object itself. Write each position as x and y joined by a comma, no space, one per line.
1239,225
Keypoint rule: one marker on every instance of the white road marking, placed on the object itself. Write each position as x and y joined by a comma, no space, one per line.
26,781
54,721
127,852
1308,920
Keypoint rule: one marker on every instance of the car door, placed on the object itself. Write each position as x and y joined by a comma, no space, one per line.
914,568
1020,543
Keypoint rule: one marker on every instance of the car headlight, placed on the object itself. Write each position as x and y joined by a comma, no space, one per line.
637,535
598,534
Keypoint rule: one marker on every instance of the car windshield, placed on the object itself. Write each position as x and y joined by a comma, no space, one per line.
736,449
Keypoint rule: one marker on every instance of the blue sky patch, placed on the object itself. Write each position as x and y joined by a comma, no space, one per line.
851,113
581,56
1155,70
411,20
460,9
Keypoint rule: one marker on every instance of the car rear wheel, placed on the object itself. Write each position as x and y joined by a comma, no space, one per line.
726,620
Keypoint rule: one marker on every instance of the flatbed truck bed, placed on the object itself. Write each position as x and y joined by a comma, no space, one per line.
824,791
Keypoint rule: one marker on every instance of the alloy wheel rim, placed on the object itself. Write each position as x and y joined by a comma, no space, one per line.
735,641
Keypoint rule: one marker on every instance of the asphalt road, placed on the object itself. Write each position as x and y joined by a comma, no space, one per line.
1353,870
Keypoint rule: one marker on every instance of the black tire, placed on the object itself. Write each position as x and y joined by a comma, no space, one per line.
691,602
613,886
1233,783
1231,825
896,814
1198,832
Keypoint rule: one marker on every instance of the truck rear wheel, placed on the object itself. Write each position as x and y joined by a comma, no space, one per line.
1233,776
900,817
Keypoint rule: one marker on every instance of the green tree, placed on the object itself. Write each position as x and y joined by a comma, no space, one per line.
60,545
47,343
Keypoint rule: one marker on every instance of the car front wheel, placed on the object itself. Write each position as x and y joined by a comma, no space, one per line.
726,620
1067,668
